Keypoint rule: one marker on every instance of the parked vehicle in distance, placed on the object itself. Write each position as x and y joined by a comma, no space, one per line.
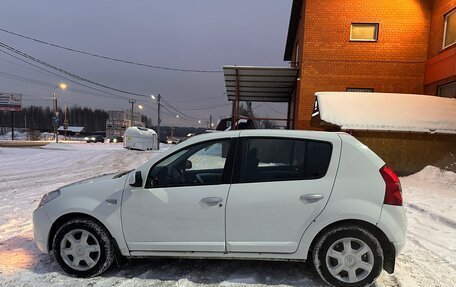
116,139
139,138
251,194
94,139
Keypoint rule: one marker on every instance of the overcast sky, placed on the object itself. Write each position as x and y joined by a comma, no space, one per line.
187,34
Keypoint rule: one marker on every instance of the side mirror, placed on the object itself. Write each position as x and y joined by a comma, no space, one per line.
188,164
136,180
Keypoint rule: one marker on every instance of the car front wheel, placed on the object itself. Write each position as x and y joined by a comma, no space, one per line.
348,256
83,248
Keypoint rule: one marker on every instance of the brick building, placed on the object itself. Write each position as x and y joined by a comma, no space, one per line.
369,45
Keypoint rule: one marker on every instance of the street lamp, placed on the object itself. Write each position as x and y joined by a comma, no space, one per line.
55,118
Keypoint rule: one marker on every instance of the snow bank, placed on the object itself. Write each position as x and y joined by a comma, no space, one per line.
430,201
383,111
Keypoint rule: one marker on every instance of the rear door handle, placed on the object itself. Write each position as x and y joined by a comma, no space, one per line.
311,198
212,200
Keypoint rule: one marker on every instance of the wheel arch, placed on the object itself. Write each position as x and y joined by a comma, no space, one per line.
69,216
388,248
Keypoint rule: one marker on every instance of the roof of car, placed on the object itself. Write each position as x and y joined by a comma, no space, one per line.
263,133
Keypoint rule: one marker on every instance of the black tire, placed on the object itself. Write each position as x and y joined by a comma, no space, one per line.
335,263
97,235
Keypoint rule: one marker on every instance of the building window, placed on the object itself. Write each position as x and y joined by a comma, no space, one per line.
360,90
364,32
447,90
450,29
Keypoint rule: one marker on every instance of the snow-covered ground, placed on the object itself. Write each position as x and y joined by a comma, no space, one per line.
429,258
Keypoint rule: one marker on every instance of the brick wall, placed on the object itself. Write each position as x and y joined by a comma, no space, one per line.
330,62
441,66
437,25
408,153
298,100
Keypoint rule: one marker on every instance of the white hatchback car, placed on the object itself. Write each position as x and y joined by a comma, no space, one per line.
252,194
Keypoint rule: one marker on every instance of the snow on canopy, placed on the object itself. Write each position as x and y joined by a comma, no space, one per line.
388,111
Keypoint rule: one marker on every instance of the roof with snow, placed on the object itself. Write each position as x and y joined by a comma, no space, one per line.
72,129
388,112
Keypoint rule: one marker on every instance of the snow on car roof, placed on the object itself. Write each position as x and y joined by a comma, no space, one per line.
388,111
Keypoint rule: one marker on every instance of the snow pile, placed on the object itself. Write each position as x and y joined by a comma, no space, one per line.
429,258
17,136
383,111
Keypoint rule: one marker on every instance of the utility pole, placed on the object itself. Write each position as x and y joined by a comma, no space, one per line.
65,123
158,121
12,125
210,122
54,119
172,131
132,102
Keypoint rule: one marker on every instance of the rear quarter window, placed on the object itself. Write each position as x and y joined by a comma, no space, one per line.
318,158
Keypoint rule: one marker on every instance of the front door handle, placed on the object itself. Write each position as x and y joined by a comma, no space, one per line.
311,198
212,200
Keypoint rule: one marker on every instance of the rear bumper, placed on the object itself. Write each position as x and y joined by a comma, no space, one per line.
41,227
393,222
398,246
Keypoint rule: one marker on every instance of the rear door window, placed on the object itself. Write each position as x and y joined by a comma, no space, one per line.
281,159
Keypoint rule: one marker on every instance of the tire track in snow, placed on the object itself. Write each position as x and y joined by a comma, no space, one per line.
436,217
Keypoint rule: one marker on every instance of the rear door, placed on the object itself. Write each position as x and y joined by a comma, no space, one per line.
280,185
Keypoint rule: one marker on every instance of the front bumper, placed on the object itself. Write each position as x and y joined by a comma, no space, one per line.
41,228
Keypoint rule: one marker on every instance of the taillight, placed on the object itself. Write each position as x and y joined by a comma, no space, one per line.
393,192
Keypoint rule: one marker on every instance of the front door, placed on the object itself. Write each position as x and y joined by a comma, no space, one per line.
182,205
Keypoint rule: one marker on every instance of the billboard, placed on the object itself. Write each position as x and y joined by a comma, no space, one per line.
10,102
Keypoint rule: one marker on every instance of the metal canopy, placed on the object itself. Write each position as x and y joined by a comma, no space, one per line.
260,84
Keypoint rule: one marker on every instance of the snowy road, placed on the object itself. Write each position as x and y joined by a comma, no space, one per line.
429,258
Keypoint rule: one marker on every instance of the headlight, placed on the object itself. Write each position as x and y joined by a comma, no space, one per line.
86,138
114,140
92,138
48,197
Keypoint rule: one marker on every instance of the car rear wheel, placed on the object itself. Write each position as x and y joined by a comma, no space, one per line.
83,248
348,256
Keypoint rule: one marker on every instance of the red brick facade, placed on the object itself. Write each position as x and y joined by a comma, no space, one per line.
441,66
329,61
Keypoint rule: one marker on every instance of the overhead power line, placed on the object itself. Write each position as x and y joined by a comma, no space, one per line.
205,108
65,78
44,63
110,58
76,79
271,108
